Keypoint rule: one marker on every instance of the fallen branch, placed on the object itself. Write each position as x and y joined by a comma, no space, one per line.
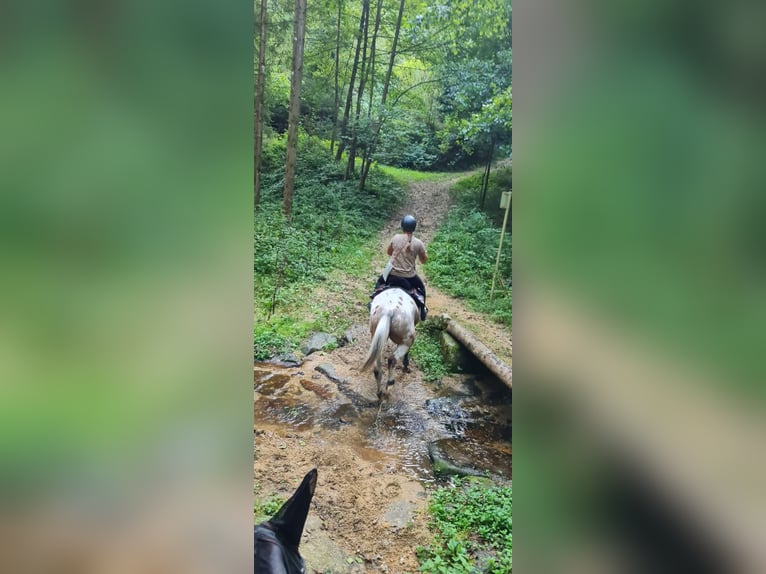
478,349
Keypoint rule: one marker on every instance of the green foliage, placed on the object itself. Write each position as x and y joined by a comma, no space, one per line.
406,141
466,192
405,176
426,352
477,107
462,258
332,223
473,530
263,510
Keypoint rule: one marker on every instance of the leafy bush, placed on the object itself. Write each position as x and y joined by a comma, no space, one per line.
407,142
466,192
427,353
473,530
462,259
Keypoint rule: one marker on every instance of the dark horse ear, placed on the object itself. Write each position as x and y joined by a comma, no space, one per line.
289,521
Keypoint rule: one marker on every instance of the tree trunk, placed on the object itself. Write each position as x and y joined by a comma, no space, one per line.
337,85
372,55
360,92
295,105
501,370
258,104
350,96
386,82
485,178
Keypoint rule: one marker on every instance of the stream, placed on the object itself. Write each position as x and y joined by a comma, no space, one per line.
425,430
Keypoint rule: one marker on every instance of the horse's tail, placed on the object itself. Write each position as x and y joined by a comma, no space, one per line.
378,341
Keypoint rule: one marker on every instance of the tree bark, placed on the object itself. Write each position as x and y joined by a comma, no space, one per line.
367,160
258,104
373,48
485,178
360,92
350,96
295,106
479,350
337,85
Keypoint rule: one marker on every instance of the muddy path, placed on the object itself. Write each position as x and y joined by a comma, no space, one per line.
374,471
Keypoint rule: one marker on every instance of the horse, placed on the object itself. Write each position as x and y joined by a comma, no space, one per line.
276,541
393,314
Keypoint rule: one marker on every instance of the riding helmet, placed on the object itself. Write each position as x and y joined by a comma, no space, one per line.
409,223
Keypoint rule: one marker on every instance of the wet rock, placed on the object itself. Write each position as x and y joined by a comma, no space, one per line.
317,342
471,457
465,388
285,360
449,413
445,462
329,371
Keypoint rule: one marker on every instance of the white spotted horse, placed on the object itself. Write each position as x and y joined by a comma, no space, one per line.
393,314
276,541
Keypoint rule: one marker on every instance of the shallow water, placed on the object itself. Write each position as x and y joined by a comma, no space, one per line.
469,416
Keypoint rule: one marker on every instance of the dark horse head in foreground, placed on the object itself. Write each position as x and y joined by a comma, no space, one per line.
275,542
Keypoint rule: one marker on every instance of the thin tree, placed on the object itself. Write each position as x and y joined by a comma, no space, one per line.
485,175
258,105
367,159
372,55
295,105
337,84
359,94
350,96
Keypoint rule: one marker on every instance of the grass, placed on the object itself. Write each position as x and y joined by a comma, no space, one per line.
426,352
473,529
263,510
462,259
405,176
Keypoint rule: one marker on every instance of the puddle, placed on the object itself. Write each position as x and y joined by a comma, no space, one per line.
469,419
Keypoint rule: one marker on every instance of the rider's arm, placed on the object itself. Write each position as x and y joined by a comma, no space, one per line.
390,249
423,256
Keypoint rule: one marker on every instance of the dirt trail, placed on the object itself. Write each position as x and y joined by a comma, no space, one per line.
367,514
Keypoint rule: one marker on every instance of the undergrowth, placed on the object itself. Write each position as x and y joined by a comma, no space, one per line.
404,175
426,351
263,510
462,259
472,527
466,192
331,228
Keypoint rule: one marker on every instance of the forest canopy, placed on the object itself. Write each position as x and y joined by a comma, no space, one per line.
407,83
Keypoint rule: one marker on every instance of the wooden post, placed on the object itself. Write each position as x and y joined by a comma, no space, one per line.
505,199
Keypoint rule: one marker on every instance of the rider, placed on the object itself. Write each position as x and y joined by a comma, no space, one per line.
405,250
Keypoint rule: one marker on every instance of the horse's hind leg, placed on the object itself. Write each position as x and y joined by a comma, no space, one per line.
406,362
400,353
378,378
